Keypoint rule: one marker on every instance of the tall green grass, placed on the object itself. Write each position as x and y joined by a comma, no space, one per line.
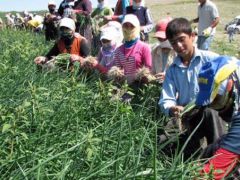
68,126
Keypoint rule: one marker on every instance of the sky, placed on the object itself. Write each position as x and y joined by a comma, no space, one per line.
34,5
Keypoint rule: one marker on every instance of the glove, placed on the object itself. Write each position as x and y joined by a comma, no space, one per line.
207,32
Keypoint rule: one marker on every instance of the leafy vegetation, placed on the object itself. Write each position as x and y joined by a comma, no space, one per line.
56,125
59,125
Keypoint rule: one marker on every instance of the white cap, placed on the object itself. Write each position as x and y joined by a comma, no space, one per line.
131,18
51,2
108,33
67,22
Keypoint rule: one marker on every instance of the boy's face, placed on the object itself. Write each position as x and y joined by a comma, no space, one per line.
182,43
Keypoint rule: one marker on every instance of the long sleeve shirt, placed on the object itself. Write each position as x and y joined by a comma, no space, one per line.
133,58
180,85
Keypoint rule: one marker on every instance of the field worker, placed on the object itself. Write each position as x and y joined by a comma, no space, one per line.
108,39
83,10
51,20
9,20
119,10
19,21
1,23
118,28
120,7
26,17
98,21
69,42
219,89
208,19
65,4
133,54
162,53
102,10
180,86
36,24
144,16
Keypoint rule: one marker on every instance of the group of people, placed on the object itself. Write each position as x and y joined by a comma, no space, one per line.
188,73
24,21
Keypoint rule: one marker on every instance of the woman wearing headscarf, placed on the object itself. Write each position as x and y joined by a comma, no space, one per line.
133,54
83,10
68,42
98,20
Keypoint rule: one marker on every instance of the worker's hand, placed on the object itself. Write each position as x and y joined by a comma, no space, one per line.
207,32
160,77
40,60
78,11
90,64
141,28
107,18
175,111
76,58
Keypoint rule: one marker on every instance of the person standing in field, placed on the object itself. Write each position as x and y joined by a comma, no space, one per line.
180,87
121,6
162,53
1,24
102,10
69,42
83,10
98,21
144,16
119,10
50,22
64,6
208,18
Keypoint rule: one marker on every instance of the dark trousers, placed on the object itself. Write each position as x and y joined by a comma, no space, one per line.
200,123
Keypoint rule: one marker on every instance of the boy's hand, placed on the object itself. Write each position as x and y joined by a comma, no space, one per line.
160,77
175,111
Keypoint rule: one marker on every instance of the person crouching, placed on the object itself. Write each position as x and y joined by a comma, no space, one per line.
69,42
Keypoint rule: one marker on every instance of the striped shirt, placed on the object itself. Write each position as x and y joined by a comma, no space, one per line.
133,58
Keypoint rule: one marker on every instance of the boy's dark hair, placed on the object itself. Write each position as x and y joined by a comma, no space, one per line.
178,25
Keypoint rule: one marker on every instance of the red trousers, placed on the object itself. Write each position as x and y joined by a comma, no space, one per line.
221,164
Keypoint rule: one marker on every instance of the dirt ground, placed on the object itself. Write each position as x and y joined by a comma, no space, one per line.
152,2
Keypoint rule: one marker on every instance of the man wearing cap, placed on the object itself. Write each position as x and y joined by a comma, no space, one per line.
69,42
219,87
133,54
208,18
162,53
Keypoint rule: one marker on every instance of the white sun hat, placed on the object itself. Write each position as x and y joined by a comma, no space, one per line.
131,18
68,22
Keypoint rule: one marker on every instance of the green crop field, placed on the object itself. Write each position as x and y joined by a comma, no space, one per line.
61,125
